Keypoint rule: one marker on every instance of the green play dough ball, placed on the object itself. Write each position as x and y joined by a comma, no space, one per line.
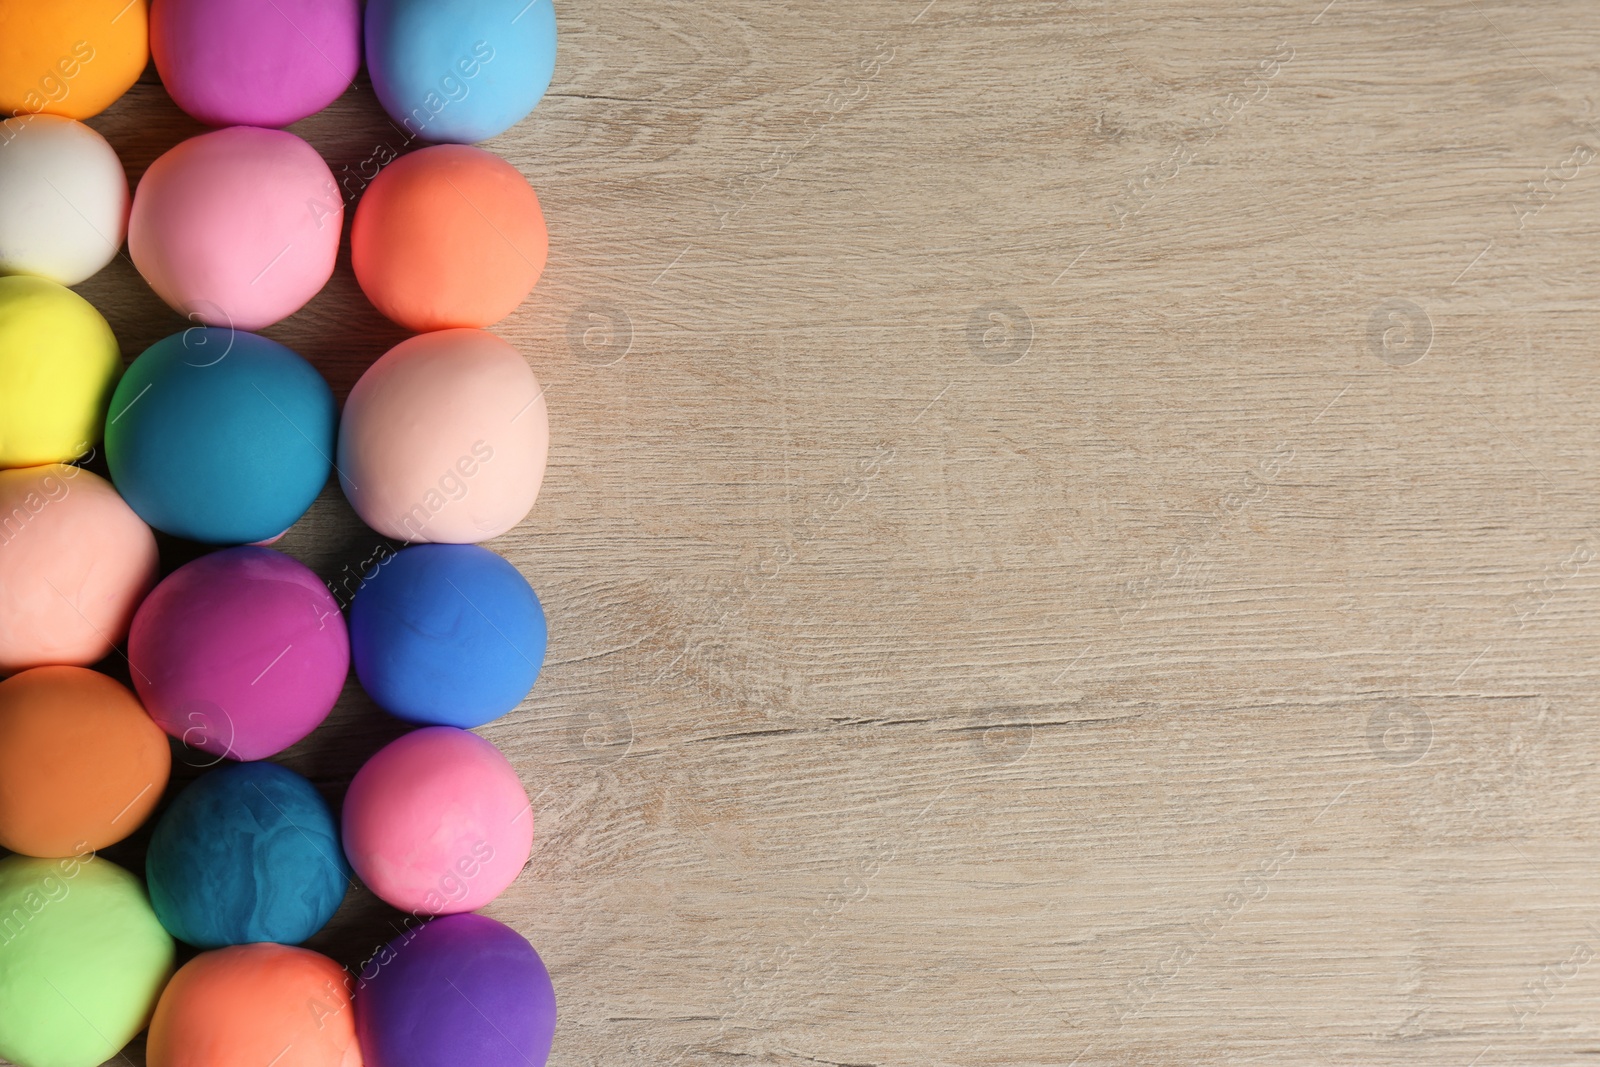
82,960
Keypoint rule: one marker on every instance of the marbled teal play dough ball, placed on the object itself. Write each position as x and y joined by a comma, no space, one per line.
237,227
63,199
70,57
240,653
220,437
82,961
81,764
245,63
249,852
444,439
59,362
256,1006
460,70
448,635
451,236
459,989
437,822
75,562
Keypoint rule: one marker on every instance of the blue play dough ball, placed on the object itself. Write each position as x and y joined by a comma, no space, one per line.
447,635
220,436
249,852
460,71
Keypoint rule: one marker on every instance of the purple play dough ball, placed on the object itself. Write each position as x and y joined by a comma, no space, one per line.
462,989
249,63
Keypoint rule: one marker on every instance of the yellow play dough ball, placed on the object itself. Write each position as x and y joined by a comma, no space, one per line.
58,364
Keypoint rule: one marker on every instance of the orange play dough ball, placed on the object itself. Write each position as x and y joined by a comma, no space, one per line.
246,1005
448,236
70,57
81,764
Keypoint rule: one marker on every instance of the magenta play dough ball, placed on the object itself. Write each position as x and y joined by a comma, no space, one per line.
248,63
237,227
240,653
437,822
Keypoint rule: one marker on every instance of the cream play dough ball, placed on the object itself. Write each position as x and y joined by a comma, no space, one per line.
63,199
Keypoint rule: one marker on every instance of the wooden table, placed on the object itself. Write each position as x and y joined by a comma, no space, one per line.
1070,534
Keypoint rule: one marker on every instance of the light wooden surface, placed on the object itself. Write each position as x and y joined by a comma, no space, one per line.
1016,594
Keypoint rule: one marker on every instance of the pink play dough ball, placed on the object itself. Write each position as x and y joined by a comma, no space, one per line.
240,653
444,439
74,563
437,822
237,227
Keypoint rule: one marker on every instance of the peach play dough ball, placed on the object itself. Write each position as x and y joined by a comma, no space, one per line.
237,227
448,236
70,57
81,764
444,439
253,1006
75,562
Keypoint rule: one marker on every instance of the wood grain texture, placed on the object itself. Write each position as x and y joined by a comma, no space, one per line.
1016,594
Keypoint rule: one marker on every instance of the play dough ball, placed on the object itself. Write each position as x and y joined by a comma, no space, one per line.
59,362
70,57
237,227
448,635
247,63
437,822
240,653
82,960
462,70
448,236
75,562
460,989
63,199
444,439
220,437
249,852
255,1006
81,764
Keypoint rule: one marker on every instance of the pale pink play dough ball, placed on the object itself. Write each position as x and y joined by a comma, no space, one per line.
437,822
237,227
75,562
444,439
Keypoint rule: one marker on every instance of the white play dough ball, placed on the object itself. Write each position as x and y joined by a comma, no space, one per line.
63,199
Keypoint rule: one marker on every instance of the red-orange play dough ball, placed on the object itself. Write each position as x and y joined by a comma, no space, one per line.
70,57
448,236
249,1005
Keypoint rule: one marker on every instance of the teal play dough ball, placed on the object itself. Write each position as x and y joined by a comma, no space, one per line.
220,436
83,960
249,852
460,71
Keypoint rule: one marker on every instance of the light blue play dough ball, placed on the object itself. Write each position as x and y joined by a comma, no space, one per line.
460,71
249,852
220,436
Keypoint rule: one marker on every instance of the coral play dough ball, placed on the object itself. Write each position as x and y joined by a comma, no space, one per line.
448,635
75,562
82,963
460,70
255,1006
240,653
70,57
449,236
59,362
237,227
457,990
63,199
437,822
444,439
220,437
249,852
246,63
81,764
